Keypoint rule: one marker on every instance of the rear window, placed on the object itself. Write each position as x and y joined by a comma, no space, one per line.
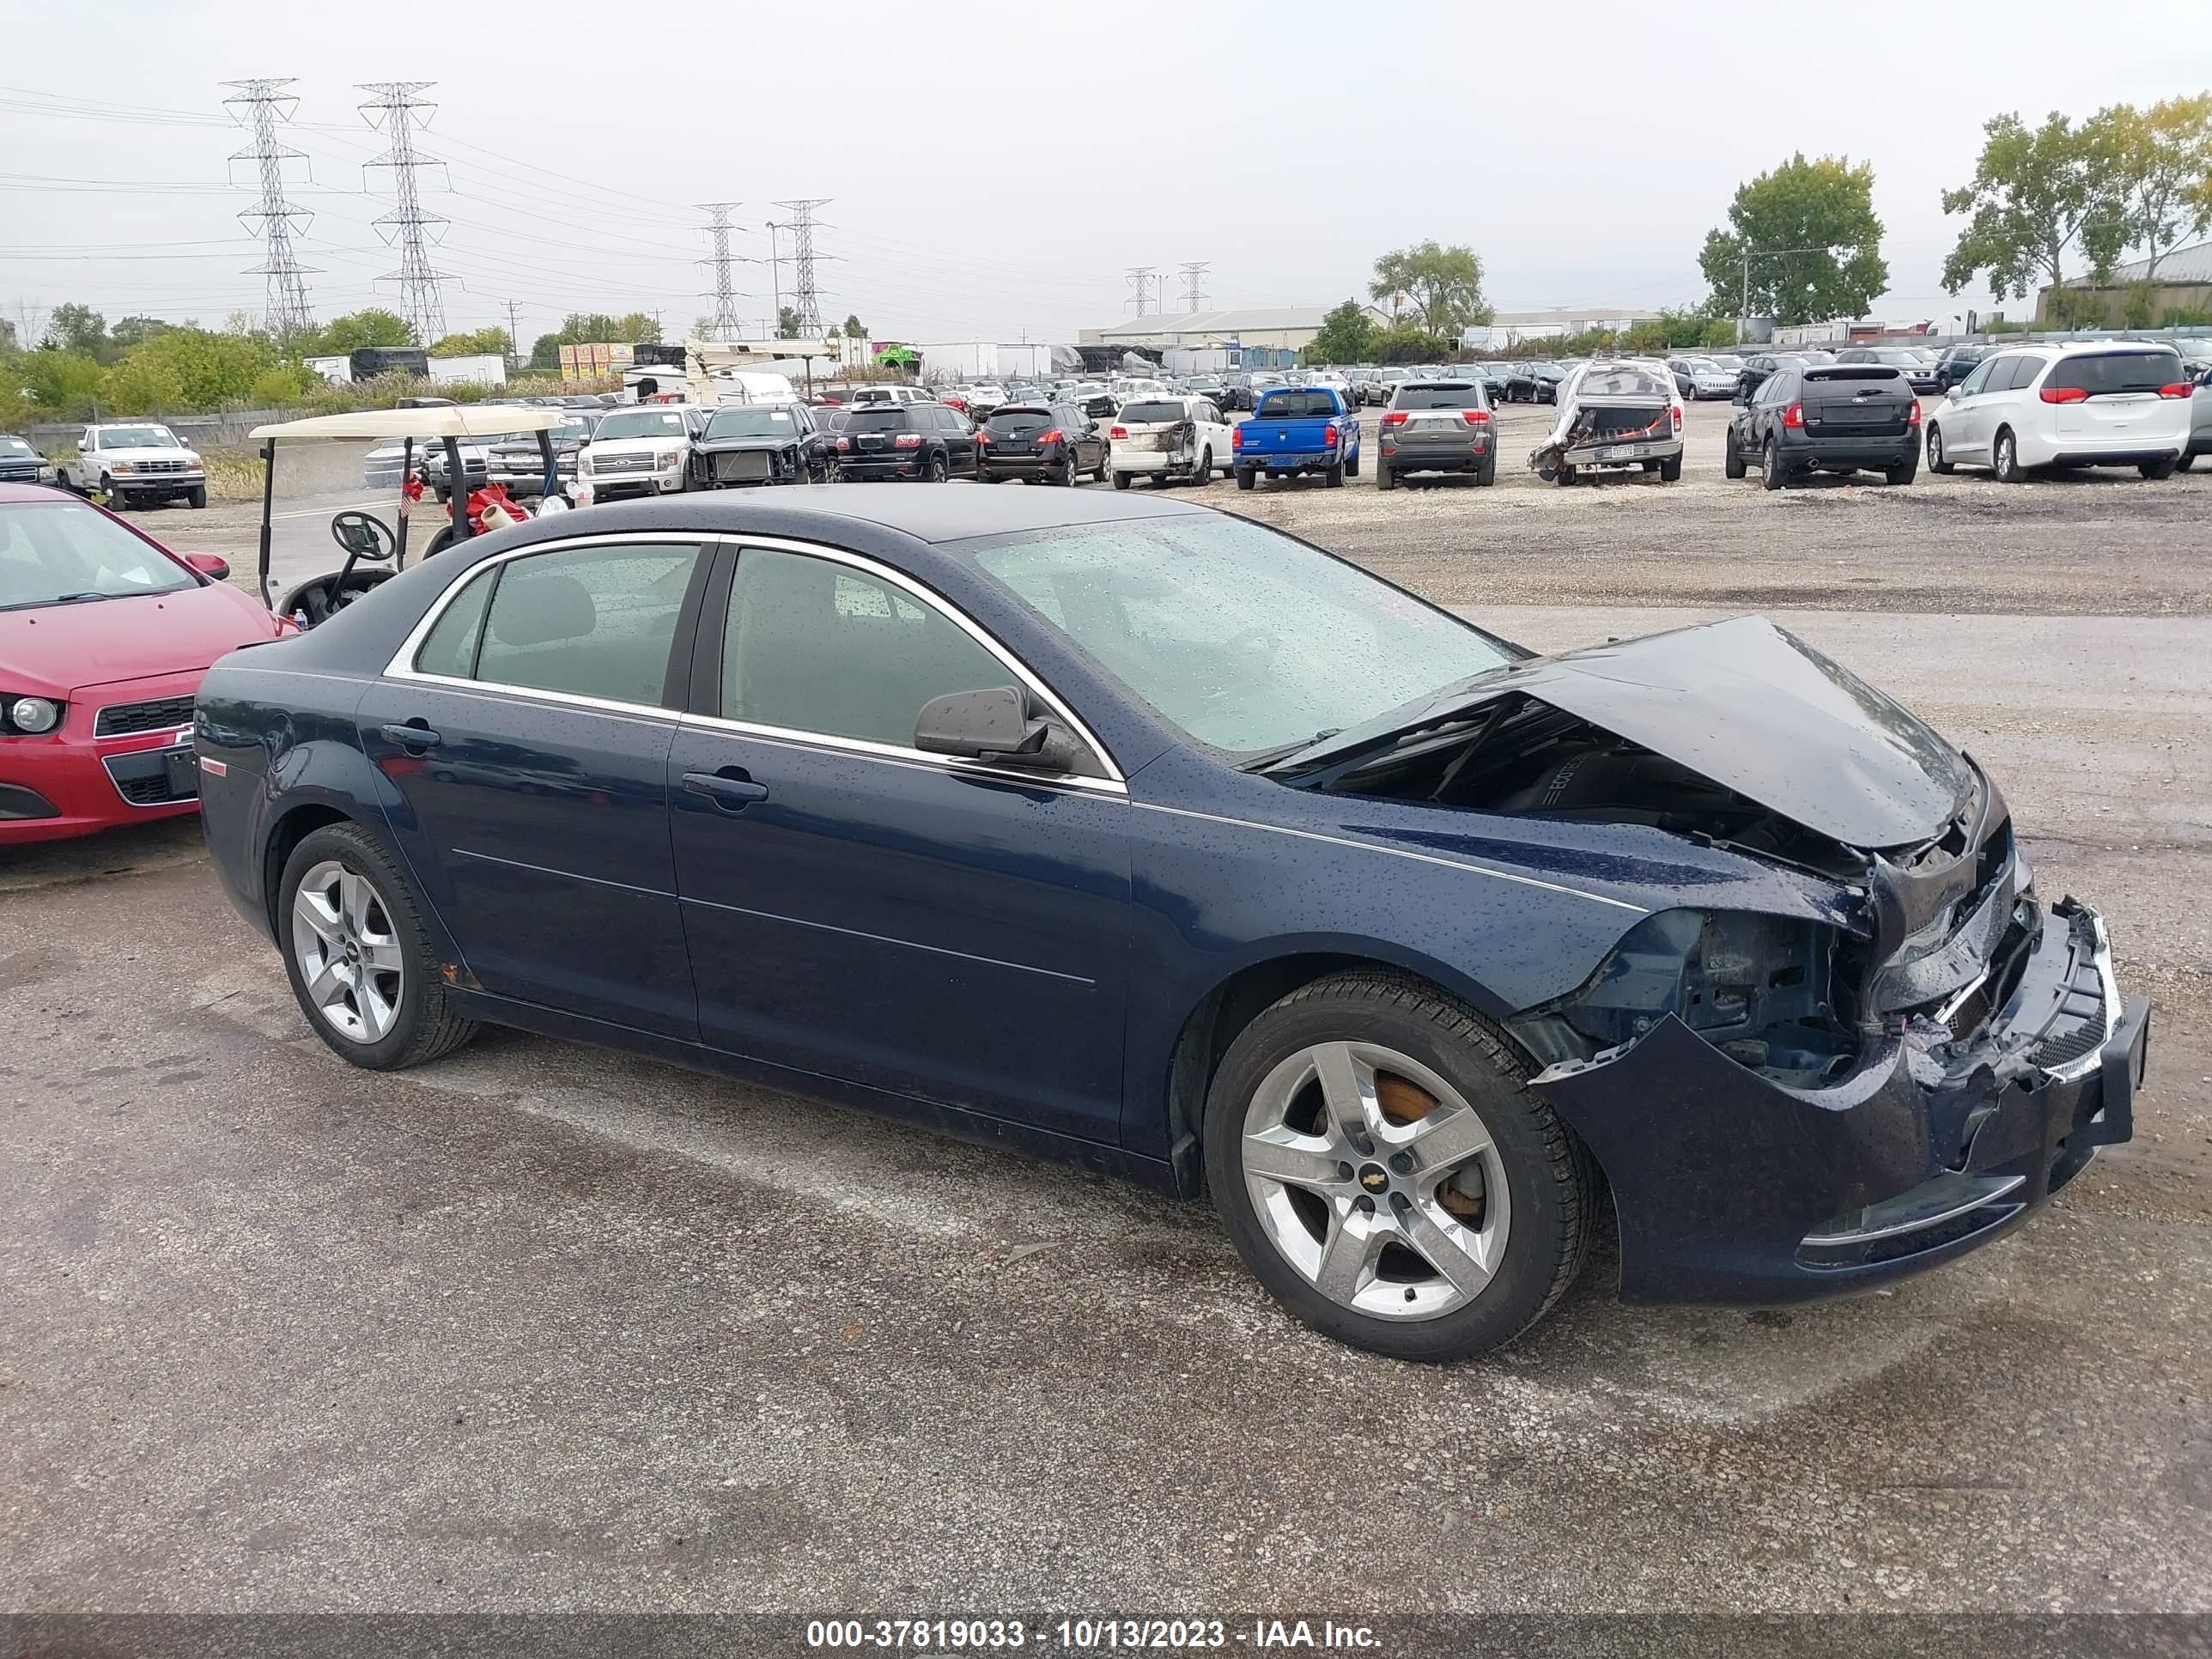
1294,405
1621,383
1438,394
1153,414
877,418
1015,422
1849,379
2108,373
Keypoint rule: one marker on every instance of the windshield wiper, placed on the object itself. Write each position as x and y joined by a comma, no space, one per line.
83,598
1268,757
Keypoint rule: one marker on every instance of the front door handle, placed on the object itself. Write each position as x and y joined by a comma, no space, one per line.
411,736
729,788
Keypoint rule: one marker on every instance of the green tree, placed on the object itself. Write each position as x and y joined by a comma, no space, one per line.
787,323
854,328
1407,345
188,370
77,328
2159,167
483,343
1347,336
1444,283
2035,192
1815,245
372,327
66,382
131,330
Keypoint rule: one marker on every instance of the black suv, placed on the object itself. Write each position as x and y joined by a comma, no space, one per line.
1957,362
906,440
1437,426
1048,443
1835,417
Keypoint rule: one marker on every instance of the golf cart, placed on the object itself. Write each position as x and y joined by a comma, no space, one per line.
318,473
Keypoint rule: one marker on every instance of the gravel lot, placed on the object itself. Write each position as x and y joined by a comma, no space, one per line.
543,1327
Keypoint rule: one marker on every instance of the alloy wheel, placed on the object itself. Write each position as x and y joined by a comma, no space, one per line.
350,959
1375,1181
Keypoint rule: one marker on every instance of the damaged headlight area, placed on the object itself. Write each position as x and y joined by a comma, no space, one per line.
1761,989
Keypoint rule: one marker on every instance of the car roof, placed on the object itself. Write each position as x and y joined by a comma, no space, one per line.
25,492
942,513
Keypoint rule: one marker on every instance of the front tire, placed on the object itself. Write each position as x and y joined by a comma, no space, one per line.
1379,1162
359,956
1732,464
198,496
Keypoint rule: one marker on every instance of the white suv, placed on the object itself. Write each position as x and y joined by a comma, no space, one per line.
136,461
2112,403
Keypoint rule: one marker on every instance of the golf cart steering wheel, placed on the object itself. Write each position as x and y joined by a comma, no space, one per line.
363,535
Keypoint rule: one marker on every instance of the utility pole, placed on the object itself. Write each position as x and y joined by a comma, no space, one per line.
1194,295
514,335
805,299
261,105
393,107
1146,283
727,327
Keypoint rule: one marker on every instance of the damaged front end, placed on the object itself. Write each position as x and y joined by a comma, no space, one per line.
1787,1109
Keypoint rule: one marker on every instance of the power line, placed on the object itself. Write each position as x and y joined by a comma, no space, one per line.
1194,296
396,102
1147,284
725,326
803,298
263,103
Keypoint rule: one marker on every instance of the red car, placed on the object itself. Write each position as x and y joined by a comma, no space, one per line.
104,634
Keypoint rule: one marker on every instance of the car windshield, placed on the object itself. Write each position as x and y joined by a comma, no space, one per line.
1438,394
14,448
752,424
52,552
138,437
1238,636
1620,382
640,423
1293,405
1153,414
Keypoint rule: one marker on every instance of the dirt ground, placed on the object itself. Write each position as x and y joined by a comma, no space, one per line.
542,1327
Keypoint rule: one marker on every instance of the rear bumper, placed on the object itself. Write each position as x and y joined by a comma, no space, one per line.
1624,454
2049,448
1023,466
1870,453
861,472
1403,458
1733,1188
1284,465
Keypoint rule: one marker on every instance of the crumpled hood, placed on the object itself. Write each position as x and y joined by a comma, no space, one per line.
58,650
1753,708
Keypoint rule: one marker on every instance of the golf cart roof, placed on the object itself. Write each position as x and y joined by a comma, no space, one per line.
455,420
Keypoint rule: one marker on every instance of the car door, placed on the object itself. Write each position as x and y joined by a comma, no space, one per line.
856,908
524,732
960,436
1966,424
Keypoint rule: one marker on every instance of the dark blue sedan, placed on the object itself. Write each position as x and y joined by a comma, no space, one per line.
1141,834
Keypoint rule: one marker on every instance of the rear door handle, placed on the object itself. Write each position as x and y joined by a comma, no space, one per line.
411,737
731,792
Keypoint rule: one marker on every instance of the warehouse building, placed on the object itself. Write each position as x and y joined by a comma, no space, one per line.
1289,328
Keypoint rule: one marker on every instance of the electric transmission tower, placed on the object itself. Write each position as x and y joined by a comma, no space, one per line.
1194,294
1147,285
726,325
393,107
804,299
262,104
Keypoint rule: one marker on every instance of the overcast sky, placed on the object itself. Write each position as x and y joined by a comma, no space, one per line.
994,169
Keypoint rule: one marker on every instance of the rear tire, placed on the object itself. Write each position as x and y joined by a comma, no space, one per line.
938,470
2004,457
1937,461
1334,477
2155,470
1771,474
1486,474
1382,478
1670,469
1903,474
1066,477
1122,480
422,1025
1527,1201
1245,478
1563,477
1205,473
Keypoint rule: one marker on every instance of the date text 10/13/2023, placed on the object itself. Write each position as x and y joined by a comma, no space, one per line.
1086,1635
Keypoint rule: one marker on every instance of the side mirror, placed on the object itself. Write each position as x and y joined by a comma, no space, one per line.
1951,391
213,566
993,726
1743,399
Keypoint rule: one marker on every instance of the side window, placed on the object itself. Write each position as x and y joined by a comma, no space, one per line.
1978,379
451,649
813,646
2011,373
593,622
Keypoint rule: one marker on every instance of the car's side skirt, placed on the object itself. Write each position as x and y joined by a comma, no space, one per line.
955,1122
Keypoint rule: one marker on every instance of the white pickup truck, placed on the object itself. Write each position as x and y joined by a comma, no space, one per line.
135,462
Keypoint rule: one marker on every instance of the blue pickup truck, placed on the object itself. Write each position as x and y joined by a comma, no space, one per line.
1298,430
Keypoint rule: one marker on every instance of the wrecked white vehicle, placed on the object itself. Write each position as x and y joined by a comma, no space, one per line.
1613,413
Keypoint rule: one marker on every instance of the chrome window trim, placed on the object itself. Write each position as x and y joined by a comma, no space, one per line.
961,620
401,667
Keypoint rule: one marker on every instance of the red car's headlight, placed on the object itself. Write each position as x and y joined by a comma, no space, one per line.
29,717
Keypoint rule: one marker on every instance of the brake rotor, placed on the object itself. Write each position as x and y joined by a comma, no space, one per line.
1403,1102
